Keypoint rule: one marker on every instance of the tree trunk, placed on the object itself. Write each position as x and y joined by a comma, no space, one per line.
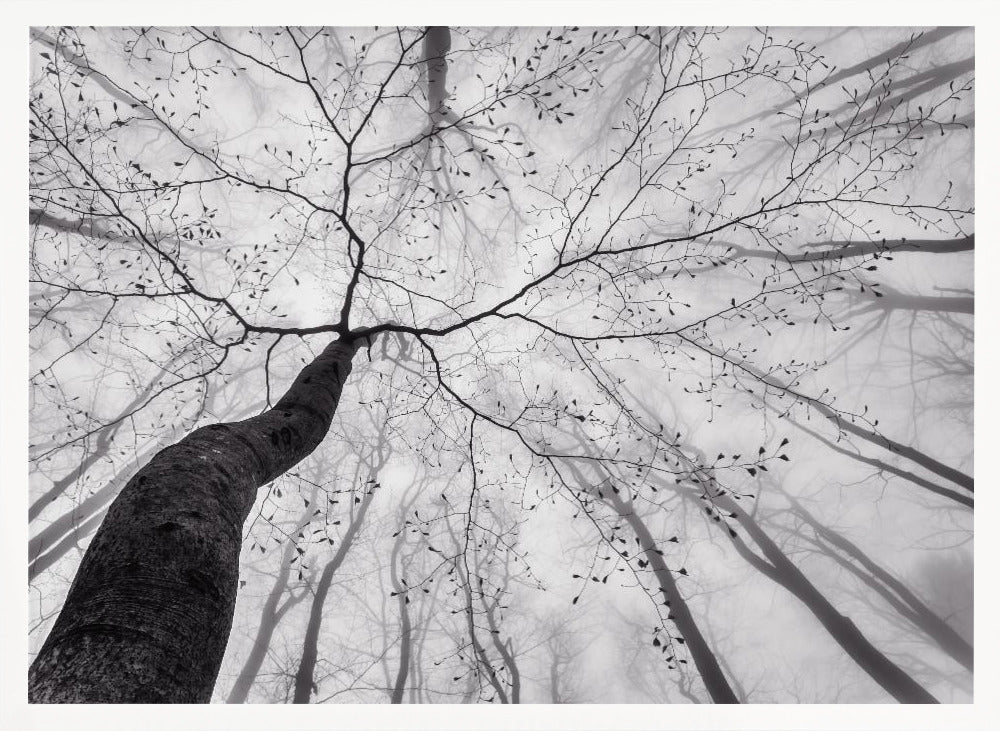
478,651
148,615
59,536
704,659
270,615
555,695
506,651
924,460
437,43
878,464
406,628
893,591
780,568
58,487
48,546
310,650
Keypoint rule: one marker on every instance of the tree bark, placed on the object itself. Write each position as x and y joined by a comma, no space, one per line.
148,615
59,536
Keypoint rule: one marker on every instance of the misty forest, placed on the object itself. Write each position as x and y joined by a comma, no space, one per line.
501,365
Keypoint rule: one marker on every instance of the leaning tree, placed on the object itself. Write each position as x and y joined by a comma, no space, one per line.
518,287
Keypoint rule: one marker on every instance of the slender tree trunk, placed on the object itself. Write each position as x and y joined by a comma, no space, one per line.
554,693
837,250
896,593
961,498
437,43
704,659
780,568
270,615
406,629
148,615
482,659
927,303
926,461
48,545
58,487
505,649
53,542
310,650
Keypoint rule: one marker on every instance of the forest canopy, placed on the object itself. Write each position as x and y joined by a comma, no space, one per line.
501,365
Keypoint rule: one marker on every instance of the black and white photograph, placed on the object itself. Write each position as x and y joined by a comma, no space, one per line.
498,364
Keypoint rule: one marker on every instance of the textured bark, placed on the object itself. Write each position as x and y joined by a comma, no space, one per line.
780,568
310,650
65,532
149,612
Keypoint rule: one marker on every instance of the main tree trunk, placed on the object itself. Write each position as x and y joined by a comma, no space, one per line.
149,612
